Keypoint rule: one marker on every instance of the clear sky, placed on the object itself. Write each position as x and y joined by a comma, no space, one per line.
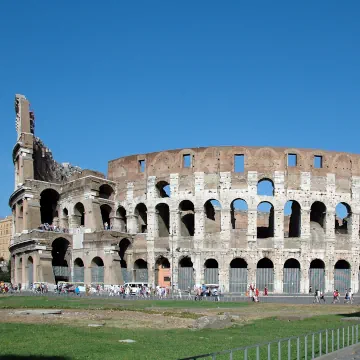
113,78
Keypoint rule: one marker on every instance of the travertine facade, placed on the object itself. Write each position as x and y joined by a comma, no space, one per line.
5,236
176,209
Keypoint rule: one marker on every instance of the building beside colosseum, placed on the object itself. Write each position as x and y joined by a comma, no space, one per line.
229,215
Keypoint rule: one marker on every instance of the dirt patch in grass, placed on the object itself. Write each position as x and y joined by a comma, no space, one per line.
119,319
173,318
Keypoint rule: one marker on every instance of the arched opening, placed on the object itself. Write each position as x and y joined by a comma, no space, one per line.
212,210
106,191
265,187
187,217
342,276
19,271
163,219
318,213
265,220
343,219
78,271
79,215
97,270
239,215
105,216
20,219
141,271
48,203
121,218
238,279
30,265
265,275
291,281
211,272
124,246
141,214
292,219
186,274
317,275
60,257
163,189
162,272
65,218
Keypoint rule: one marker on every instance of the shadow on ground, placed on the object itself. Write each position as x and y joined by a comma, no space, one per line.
32,357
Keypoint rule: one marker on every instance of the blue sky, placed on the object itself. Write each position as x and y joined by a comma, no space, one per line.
112,78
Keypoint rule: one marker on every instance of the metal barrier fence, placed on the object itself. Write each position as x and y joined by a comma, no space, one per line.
309,346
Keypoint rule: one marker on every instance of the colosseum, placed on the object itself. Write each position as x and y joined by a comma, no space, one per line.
228,215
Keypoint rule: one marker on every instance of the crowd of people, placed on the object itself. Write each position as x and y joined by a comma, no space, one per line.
319,296
53,227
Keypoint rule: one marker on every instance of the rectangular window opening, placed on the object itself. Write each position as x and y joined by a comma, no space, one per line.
142,164
186,160
318,162
239,163
292,160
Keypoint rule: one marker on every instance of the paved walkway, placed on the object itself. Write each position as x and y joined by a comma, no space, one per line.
349,353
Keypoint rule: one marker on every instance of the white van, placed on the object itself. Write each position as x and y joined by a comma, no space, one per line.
134,285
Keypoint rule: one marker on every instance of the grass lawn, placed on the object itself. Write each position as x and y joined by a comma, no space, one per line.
70,342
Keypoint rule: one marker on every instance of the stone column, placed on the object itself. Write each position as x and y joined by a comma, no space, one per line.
305,223
151,225
279,228
251,274
132,224
151,262
199,272
224,273
252,228
225,226
87,274
304,278
330,225
329,277
199,227
278,277
354,228
24,272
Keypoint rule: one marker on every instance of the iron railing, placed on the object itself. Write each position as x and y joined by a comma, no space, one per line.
304,347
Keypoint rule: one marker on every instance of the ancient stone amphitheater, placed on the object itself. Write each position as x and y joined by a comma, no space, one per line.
283,218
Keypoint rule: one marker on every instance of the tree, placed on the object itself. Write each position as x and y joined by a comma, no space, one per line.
6,275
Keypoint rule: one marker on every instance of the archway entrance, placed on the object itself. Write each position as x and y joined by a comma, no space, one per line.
342,276
211,272
97,271
265,275
126,273
186,274
141,271
59,260
238,276
30,271
162,272
78,271
291,281
317,275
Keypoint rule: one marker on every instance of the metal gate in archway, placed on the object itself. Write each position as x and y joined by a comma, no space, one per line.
317,279
141,275
342,279
211,276
265,277
61,273
97,274
30,273
186,278
238,280
78,274
126,275
291,281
